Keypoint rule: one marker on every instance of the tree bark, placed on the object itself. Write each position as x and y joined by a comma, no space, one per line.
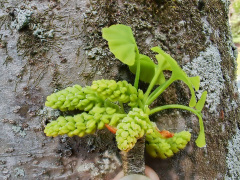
133,161
49,45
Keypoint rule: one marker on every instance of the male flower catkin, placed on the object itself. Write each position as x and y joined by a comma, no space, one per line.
123,108
120,91
99,99
132,127
158,146
73,98
100,103
84,123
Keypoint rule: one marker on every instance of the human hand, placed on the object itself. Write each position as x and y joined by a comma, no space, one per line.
149,172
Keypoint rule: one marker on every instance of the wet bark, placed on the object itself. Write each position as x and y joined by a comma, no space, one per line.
48,45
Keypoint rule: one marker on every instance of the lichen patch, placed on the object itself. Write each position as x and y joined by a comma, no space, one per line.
232,158
208,67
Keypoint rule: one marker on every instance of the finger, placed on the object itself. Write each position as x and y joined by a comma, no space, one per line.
148,171
151,173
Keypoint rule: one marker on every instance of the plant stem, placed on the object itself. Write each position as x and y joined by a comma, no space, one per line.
151,85
201,137
155,95
138,70
121,106
175,106
133,160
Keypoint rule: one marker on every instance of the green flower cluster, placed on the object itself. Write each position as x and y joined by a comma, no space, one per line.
132,127
73,98
84,123
102,105
105,102
120,91
77,125
157,146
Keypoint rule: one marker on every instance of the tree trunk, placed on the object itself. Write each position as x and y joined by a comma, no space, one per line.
49,45
133,161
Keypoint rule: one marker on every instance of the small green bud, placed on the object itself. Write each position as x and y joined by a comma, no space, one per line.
63,131
76,132
101,125
91,130
71,126
133,97
89,107
91,124
70,134
114,120
78,87
81,134
110,111
124,134
105,119
94,86
140,94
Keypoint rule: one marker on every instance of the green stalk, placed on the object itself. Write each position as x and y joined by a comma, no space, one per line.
155,91
159,91
175,106
140,103
151,85
200,141
138,69
121,107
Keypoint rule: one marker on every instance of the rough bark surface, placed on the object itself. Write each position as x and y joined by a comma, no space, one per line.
47,45
133,161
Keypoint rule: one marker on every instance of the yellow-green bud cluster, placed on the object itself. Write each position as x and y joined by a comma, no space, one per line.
120,91
159,147
73,98
84,123
132,127
99,100
76,125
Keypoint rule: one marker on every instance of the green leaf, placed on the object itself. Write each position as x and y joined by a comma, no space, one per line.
162,61
162,66
177,72
195,82
147,67
200,141
121,43
161,79
201,102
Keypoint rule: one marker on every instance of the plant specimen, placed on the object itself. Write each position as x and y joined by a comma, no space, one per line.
122,107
